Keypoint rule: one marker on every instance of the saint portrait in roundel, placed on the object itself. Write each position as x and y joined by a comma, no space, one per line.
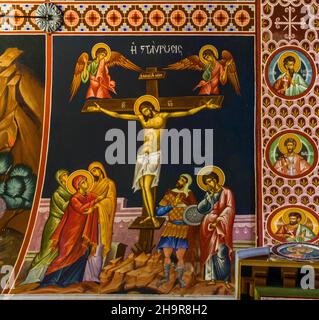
293,224
291,154
290,73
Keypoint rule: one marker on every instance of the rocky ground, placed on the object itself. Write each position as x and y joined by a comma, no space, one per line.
10,242
136,275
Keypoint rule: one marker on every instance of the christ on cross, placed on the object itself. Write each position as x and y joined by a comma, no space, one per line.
148,162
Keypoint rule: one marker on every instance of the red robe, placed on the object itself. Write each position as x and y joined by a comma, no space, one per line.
210,240
211,86
75,232
287,230
300,165
282,84
101,84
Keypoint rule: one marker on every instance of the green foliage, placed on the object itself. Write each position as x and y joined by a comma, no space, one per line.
19,192
6,161
30,184
14,203
18,186
2,187
21,170
15,187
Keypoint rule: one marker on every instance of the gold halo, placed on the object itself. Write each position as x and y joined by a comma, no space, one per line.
146,98
103,46
209,169
282,58
207,47
285,215
281,143
76,173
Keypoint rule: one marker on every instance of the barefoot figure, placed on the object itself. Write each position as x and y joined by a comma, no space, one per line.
148,162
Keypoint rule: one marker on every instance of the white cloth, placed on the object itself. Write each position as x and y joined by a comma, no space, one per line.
147,164
291,165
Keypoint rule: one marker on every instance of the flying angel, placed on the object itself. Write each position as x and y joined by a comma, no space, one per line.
214,71
96,72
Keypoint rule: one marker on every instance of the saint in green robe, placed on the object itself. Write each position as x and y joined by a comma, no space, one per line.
290,86
47,254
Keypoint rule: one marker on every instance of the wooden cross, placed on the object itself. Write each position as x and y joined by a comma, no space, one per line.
151,76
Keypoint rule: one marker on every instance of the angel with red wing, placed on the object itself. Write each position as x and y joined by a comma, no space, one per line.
96,72
214,71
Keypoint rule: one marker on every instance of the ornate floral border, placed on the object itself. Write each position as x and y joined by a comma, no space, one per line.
141,17
288,23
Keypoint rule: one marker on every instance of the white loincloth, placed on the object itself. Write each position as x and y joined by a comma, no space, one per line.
147,164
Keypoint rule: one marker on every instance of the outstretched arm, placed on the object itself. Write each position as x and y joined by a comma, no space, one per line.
113,114
208,105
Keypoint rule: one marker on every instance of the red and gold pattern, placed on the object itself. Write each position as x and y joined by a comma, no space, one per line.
147,17
282,25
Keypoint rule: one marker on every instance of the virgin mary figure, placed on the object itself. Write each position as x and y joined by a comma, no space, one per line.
77,235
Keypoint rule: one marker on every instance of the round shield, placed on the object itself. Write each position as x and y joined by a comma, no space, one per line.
192,217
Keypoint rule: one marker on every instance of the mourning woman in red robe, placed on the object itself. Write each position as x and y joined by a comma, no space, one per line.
77,234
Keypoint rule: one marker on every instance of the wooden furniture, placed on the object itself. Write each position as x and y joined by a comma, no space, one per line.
267,293
272,273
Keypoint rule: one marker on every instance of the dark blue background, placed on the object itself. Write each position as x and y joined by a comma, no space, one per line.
76,138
